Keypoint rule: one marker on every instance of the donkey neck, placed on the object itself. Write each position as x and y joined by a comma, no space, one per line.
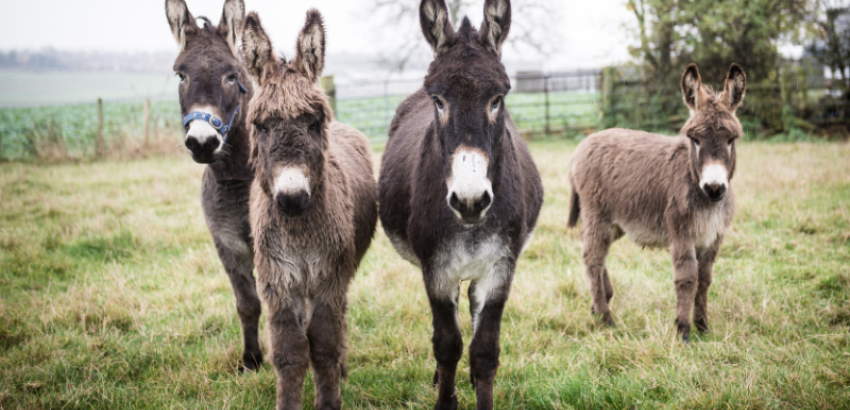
234,165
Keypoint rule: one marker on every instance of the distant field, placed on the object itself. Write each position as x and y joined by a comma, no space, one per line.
61,87
112,297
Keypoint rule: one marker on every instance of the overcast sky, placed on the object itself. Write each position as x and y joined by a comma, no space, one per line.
591,30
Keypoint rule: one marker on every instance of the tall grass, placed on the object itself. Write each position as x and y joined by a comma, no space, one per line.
63,132
111,296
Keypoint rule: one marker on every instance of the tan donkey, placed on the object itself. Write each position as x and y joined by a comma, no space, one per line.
662,192
313,211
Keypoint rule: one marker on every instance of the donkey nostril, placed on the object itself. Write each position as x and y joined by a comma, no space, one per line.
211,144
715,191
454,202
485,201
192,144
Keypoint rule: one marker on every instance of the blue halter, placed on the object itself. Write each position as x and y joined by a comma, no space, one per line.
212,120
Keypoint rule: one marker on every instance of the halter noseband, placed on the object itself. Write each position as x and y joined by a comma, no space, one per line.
214,121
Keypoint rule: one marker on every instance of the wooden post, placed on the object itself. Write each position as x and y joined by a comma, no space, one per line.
546,96
329,88
785,84
609,115
803,85
99,144
147,121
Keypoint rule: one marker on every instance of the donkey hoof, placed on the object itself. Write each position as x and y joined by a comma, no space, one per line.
702,326
686,339
608,319
251,362
451,404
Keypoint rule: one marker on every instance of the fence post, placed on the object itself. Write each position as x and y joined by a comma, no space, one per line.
546,96
785,84
147,121
803,85
329,88
99,145
609,115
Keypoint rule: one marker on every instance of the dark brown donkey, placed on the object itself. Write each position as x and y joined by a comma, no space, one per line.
662,192
213,102
459,191
314,207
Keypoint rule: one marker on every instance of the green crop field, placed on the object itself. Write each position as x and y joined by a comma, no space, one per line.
32,132
112,297
24,131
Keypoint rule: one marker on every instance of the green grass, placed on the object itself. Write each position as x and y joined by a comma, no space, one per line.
111,296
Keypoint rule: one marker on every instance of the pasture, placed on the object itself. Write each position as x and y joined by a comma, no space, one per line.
112,296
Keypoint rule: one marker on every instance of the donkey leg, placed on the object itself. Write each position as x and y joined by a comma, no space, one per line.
597,241
489,296
447,341
705,266
609,290
238,261
326,333
685,278
290,356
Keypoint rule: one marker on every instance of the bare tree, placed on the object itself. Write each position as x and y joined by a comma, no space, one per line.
533,27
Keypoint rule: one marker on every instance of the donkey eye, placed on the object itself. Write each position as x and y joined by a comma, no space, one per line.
731,141
261,127
696,142
231,78
181,76
496,104
314,126
439,103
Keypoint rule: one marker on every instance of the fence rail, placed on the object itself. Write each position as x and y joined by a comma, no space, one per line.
569,103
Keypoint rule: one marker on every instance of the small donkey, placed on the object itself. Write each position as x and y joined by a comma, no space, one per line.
314,208
662,191
211,93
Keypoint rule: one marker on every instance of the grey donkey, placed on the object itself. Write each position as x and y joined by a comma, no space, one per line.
214,95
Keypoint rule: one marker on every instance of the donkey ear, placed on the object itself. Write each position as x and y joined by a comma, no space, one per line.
735,87
257,51
230,27
434,20
310,58
180,20
496,24
692,87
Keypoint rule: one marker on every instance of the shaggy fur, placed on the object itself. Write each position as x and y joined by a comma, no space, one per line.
458,118
305,263
647,186
206,59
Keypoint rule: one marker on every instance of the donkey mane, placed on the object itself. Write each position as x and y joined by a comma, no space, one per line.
270,101
714,116
208,25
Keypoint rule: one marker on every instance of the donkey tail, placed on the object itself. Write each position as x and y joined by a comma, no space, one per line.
574,209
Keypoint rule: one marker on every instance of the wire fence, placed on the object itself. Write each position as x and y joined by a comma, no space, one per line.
570,104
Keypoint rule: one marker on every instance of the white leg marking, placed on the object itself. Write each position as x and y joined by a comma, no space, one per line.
482,263
291,180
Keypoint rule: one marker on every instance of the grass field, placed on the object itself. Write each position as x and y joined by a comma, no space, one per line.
112,297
